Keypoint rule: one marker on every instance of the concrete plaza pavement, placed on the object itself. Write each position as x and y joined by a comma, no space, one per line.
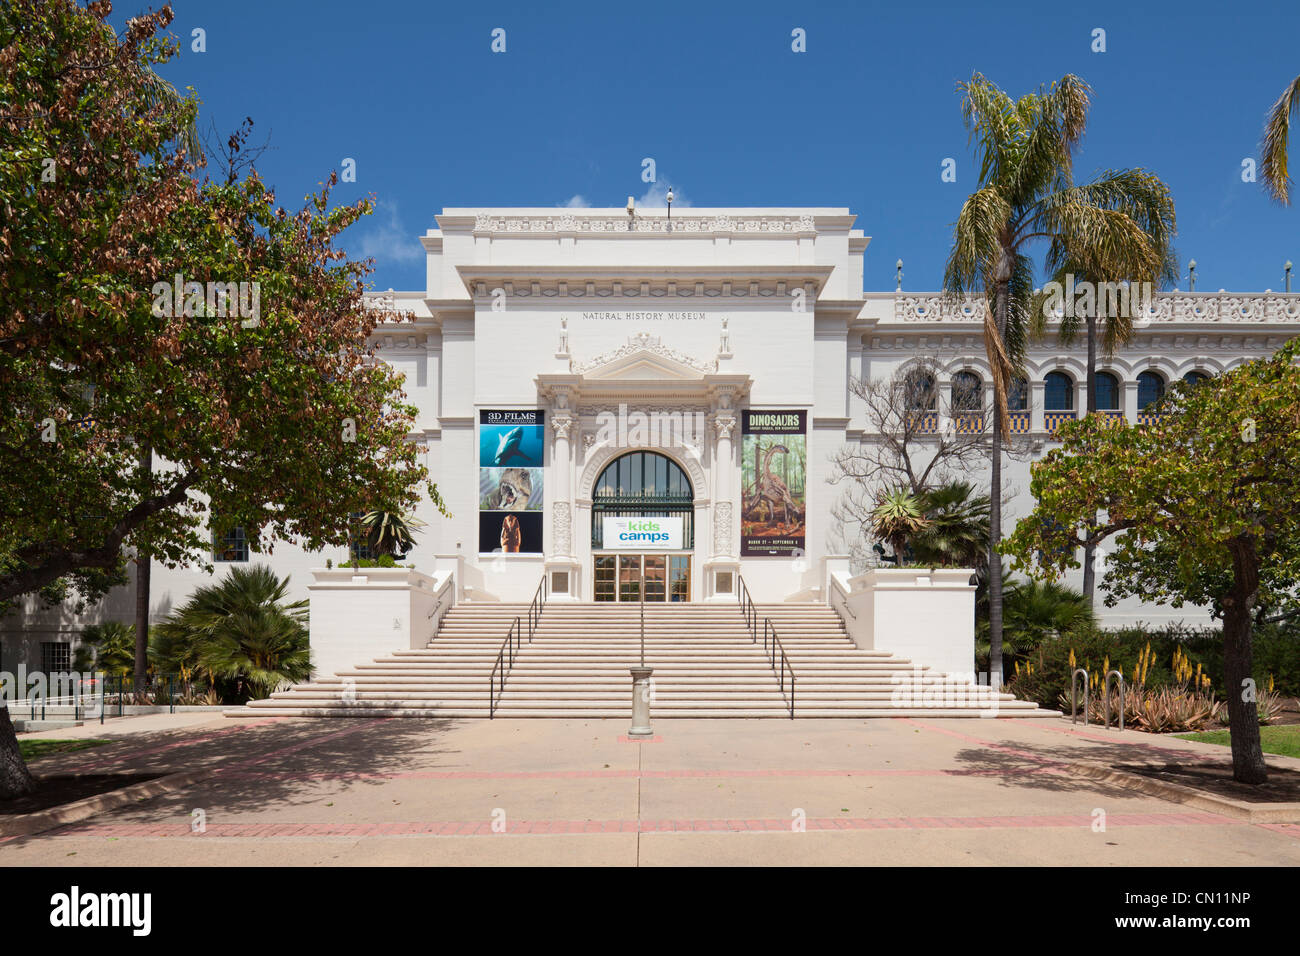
906,791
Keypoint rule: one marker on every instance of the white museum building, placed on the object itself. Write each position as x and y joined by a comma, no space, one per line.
611,394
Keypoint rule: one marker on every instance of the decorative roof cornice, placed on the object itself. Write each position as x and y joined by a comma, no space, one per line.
1192,308
605,224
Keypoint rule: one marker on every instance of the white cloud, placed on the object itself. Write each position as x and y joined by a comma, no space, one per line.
576,201
389,242
656,197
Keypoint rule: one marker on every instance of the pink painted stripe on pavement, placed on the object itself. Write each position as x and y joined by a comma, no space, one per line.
571,827
615,774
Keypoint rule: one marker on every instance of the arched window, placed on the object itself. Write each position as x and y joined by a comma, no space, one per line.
642,484
1196,377
967,392
1107,392
1058,392
1018,394
921,392
1151,388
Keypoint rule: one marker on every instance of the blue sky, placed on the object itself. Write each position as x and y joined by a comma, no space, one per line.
733,117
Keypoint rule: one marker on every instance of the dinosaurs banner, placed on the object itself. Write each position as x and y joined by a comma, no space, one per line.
511,448
773,478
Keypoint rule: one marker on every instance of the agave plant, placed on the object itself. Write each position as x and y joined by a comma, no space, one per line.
897,518
241,630
390,532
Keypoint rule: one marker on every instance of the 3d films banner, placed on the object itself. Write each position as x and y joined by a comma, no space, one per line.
774,477
510,449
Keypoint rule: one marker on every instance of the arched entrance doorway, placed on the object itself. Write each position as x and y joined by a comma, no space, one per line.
642,484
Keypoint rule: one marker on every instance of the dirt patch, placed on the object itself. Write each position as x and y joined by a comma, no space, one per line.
53,792
1283,786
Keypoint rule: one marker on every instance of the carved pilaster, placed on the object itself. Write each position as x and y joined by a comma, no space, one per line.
562,524
722,528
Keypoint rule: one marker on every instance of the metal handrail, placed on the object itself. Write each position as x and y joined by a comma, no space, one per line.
510,646
535,607
503,664
747,609
777,648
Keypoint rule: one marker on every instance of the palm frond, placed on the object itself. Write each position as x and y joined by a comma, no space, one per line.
1273,146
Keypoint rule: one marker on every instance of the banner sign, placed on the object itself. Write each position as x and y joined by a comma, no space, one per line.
511,449
642,533
774,475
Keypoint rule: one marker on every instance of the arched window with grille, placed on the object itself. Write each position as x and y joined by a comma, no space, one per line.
1107,392
1058,392
967,392
1151,388
642,484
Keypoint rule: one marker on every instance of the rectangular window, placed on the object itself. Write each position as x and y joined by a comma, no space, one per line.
231,546
56,657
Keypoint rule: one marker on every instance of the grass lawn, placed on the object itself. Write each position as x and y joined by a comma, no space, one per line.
1275,740
35,749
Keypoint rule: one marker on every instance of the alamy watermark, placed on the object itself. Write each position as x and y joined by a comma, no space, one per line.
1072,298
181,298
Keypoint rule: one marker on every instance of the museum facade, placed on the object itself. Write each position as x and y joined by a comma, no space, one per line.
607,396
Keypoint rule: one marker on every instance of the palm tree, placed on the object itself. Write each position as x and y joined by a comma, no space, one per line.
1035,611
107,647
1026,193
897,517
241,630
957,529
390,532
1273,148
1138,257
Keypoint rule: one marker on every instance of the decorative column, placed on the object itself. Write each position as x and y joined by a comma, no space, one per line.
722,566
1036,390
560,468
722,507
562,566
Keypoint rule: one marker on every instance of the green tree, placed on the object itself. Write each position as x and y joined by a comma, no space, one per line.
1274,145
241,630
1136,259
1213,486
1025,195
273,414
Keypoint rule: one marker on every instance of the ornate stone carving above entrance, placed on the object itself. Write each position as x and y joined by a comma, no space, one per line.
643,343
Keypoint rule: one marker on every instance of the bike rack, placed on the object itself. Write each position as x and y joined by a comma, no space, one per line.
1074,695
1105,694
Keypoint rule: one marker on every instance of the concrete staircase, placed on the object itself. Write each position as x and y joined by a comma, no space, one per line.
705,665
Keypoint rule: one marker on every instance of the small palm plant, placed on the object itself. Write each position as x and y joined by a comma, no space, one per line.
957,529
897,518
107,647
390,532
242,630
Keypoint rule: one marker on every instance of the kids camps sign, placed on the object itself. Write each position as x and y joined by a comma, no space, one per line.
511,447
642,534
774,474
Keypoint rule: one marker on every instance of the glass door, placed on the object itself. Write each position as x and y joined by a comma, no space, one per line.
679,577
655,565
629,577
604,578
